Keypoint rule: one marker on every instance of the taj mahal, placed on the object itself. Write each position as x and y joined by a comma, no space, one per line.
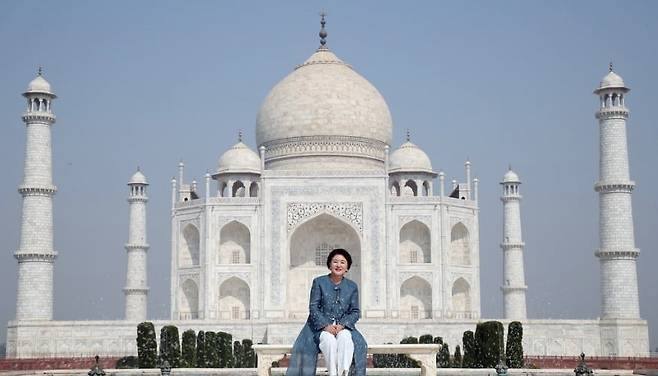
247,241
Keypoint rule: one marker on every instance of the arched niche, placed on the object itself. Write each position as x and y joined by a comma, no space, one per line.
415,243
310,244
460,245
188,251
427,189
188,300
416,299
253,189
461,297
234,300
234,244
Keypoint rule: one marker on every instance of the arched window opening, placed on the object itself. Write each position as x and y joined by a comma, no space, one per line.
395,189
188,253
416,299
410,188
415,240
238,189
460,248
234,244
427,190
253,189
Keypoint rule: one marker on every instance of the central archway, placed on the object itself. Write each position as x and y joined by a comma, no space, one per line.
310,244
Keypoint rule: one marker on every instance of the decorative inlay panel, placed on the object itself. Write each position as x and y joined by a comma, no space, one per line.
351,211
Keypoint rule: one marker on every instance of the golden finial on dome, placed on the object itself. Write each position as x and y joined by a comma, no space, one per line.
323,32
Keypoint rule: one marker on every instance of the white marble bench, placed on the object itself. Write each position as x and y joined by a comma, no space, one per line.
423,353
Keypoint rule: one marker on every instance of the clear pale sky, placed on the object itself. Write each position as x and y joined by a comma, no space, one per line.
148,83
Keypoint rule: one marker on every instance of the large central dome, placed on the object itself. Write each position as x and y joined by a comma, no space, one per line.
324,115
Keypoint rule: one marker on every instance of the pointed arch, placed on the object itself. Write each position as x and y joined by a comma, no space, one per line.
222,190
395,189
310,243
427,189
253,189
415,243
234,299
461,297
460,245
188,252
410,188
188,300
234,244
238,189
416,299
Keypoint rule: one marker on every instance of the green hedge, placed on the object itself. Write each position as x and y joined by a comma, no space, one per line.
514,348
444,356
201,350
249,357
457,358
147,347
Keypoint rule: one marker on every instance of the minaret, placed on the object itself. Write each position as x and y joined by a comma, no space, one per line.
514,286
136,289
617,252
36,256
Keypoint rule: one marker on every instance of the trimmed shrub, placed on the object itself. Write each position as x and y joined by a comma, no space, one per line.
489,341
225,350
468,341
188,349
212,350
238,355
457,358
170,345
425,338
514,348
444,356
127,362
201,350
249,357
439,341
147,347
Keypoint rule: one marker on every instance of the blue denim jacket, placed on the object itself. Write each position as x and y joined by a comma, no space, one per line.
328,303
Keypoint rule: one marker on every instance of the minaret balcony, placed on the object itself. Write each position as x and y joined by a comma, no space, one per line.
606,187
619,254
39,116
46,256
512,245
612,113
36,190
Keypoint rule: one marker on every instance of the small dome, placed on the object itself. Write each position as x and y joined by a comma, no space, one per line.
612,80
511,177
138,178
239,158
409,158
39,85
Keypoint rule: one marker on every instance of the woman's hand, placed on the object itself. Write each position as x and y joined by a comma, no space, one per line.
338,328
331,329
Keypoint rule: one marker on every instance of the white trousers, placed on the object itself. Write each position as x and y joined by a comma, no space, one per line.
337,351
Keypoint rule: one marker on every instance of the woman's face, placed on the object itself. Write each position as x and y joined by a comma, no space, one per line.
338,265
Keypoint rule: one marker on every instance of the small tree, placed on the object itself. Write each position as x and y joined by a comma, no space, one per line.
188,349
468,341
201,350
249,358
170,345
444,356
514,348
147,347
439,341
457,358
489,342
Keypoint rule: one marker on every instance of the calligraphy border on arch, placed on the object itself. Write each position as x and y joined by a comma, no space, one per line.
350,211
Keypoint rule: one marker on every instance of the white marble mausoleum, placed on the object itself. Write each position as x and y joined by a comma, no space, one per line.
247,241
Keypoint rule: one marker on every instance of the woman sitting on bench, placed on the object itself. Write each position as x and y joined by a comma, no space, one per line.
330,327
